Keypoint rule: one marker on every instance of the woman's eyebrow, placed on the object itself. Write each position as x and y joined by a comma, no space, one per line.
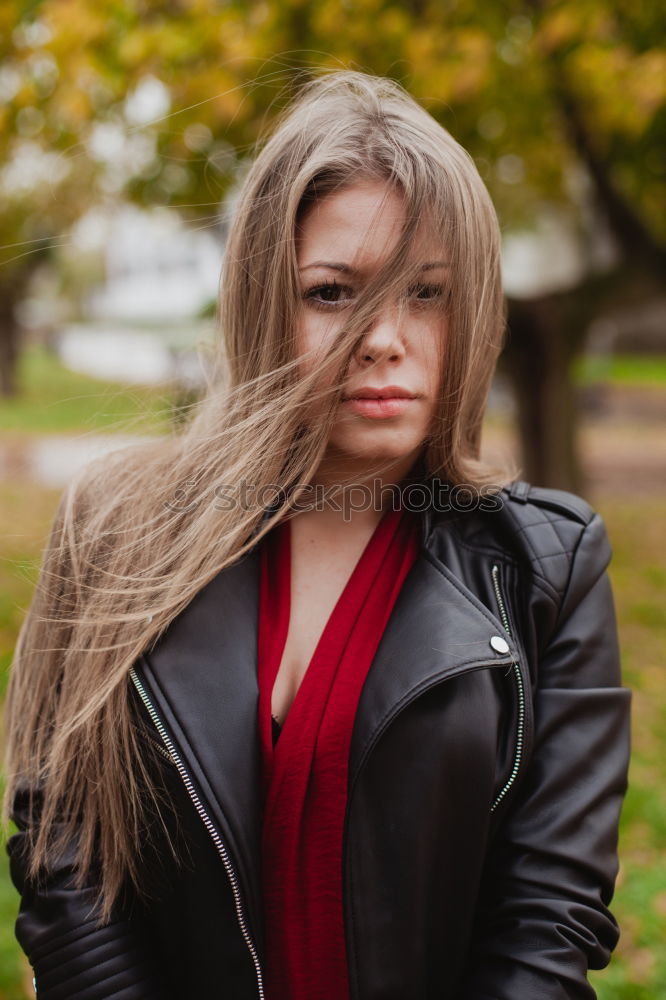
348,269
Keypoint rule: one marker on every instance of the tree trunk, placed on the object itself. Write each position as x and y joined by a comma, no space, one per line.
9,346
537,360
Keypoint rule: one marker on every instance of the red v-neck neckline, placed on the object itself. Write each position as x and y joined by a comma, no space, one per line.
285,556
276,594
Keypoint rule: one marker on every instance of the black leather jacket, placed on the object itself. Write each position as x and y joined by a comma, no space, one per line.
487,770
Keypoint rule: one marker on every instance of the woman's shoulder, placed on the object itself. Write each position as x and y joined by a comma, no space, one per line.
549,500
545,529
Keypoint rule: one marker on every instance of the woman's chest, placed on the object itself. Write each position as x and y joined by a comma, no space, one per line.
315,591
313,599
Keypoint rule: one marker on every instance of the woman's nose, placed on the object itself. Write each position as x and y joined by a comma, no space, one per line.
383,341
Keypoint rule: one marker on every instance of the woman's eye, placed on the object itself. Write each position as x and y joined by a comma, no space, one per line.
328,294
332,295
427,293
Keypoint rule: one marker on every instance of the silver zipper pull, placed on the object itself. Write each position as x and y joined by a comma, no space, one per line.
518,677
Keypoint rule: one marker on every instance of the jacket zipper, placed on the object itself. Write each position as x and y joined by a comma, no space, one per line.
215,836
520,729
157,744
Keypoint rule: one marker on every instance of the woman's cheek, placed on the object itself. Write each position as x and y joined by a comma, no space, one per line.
311,342
314,333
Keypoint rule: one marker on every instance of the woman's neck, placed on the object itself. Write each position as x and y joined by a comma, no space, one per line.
361,496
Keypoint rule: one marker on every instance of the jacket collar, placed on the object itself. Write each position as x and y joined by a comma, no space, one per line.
202,679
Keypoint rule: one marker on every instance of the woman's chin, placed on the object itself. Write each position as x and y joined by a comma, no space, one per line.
369,453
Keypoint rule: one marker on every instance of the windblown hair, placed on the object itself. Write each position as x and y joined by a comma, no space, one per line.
139,534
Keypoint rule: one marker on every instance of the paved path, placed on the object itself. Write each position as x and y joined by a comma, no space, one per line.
53,460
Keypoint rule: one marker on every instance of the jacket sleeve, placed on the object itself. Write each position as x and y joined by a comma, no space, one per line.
57,927
543,917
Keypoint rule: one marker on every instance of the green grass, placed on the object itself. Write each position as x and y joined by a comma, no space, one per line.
25,515
14,972
623,369
54,399
638,968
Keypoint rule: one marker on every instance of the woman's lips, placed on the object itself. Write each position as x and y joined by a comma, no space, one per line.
379,408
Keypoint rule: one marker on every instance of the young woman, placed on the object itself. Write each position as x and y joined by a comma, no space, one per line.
311,702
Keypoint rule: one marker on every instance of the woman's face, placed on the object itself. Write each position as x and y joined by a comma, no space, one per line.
341,242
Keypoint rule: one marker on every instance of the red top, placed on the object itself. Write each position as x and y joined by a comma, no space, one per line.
305,774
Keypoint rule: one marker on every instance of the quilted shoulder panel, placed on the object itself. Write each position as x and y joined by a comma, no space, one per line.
548,525
561,501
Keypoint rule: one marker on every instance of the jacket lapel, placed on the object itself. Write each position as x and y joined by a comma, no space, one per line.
202,678
438,629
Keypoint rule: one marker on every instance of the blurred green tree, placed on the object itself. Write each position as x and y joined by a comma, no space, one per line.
562,103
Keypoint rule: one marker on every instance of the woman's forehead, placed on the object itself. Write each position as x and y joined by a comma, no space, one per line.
356,229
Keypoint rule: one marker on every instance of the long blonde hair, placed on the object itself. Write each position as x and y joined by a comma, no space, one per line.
139,534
